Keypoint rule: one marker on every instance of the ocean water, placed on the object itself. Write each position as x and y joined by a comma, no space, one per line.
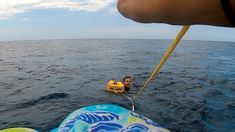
41,82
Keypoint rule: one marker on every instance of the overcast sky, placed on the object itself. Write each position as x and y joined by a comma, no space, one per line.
75,19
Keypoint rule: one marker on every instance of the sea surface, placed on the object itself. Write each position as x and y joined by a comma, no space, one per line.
41,82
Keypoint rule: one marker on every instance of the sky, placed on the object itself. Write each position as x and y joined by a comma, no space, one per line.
87,19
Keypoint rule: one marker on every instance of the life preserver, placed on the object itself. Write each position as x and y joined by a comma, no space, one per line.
115,87
19,130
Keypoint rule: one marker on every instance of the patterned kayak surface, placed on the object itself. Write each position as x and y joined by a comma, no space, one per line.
106,118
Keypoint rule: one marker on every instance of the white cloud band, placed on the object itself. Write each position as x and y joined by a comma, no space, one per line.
9,8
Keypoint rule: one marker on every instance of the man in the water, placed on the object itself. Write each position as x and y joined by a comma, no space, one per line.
127,81
119,87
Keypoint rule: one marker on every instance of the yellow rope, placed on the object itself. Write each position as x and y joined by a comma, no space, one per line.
164,58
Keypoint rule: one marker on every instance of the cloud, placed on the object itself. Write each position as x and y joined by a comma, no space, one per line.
10,8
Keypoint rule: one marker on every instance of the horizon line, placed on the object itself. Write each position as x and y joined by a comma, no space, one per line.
114,39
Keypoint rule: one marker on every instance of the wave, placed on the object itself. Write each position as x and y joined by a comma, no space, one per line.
40,100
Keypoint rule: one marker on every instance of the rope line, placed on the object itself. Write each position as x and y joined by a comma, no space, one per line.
164,58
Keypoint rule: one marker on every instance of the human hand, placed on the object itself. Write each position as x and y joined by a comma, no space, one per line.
179,12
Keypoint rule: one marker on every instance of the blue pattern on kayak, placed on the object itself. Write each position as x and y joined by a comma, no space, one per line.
90,118
95,117
136,128
106,127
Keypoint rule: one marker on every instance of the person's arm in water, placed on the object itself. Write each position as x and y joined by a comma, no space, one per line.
179,12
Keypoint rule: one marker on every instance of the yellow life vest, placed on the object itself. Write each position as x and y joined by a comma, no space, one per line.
115,87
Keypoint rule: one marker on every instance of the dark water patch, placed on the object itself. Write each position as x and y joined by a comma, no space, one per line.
21,78
232,87
52,87
34,74
230,108
213,92
29,72
213,120
58,69
163,99
142,76
6,86
64,78
41,55
2,123
219,82
8,63
26,87
171,83
39,79
53,96
55,71
58,82
53,66
3,84
16,92
47,76
33,102
18,124
54,123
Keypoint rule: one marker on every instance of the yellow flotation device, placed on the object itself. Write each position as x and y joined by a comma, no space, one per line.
18,130
115,87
